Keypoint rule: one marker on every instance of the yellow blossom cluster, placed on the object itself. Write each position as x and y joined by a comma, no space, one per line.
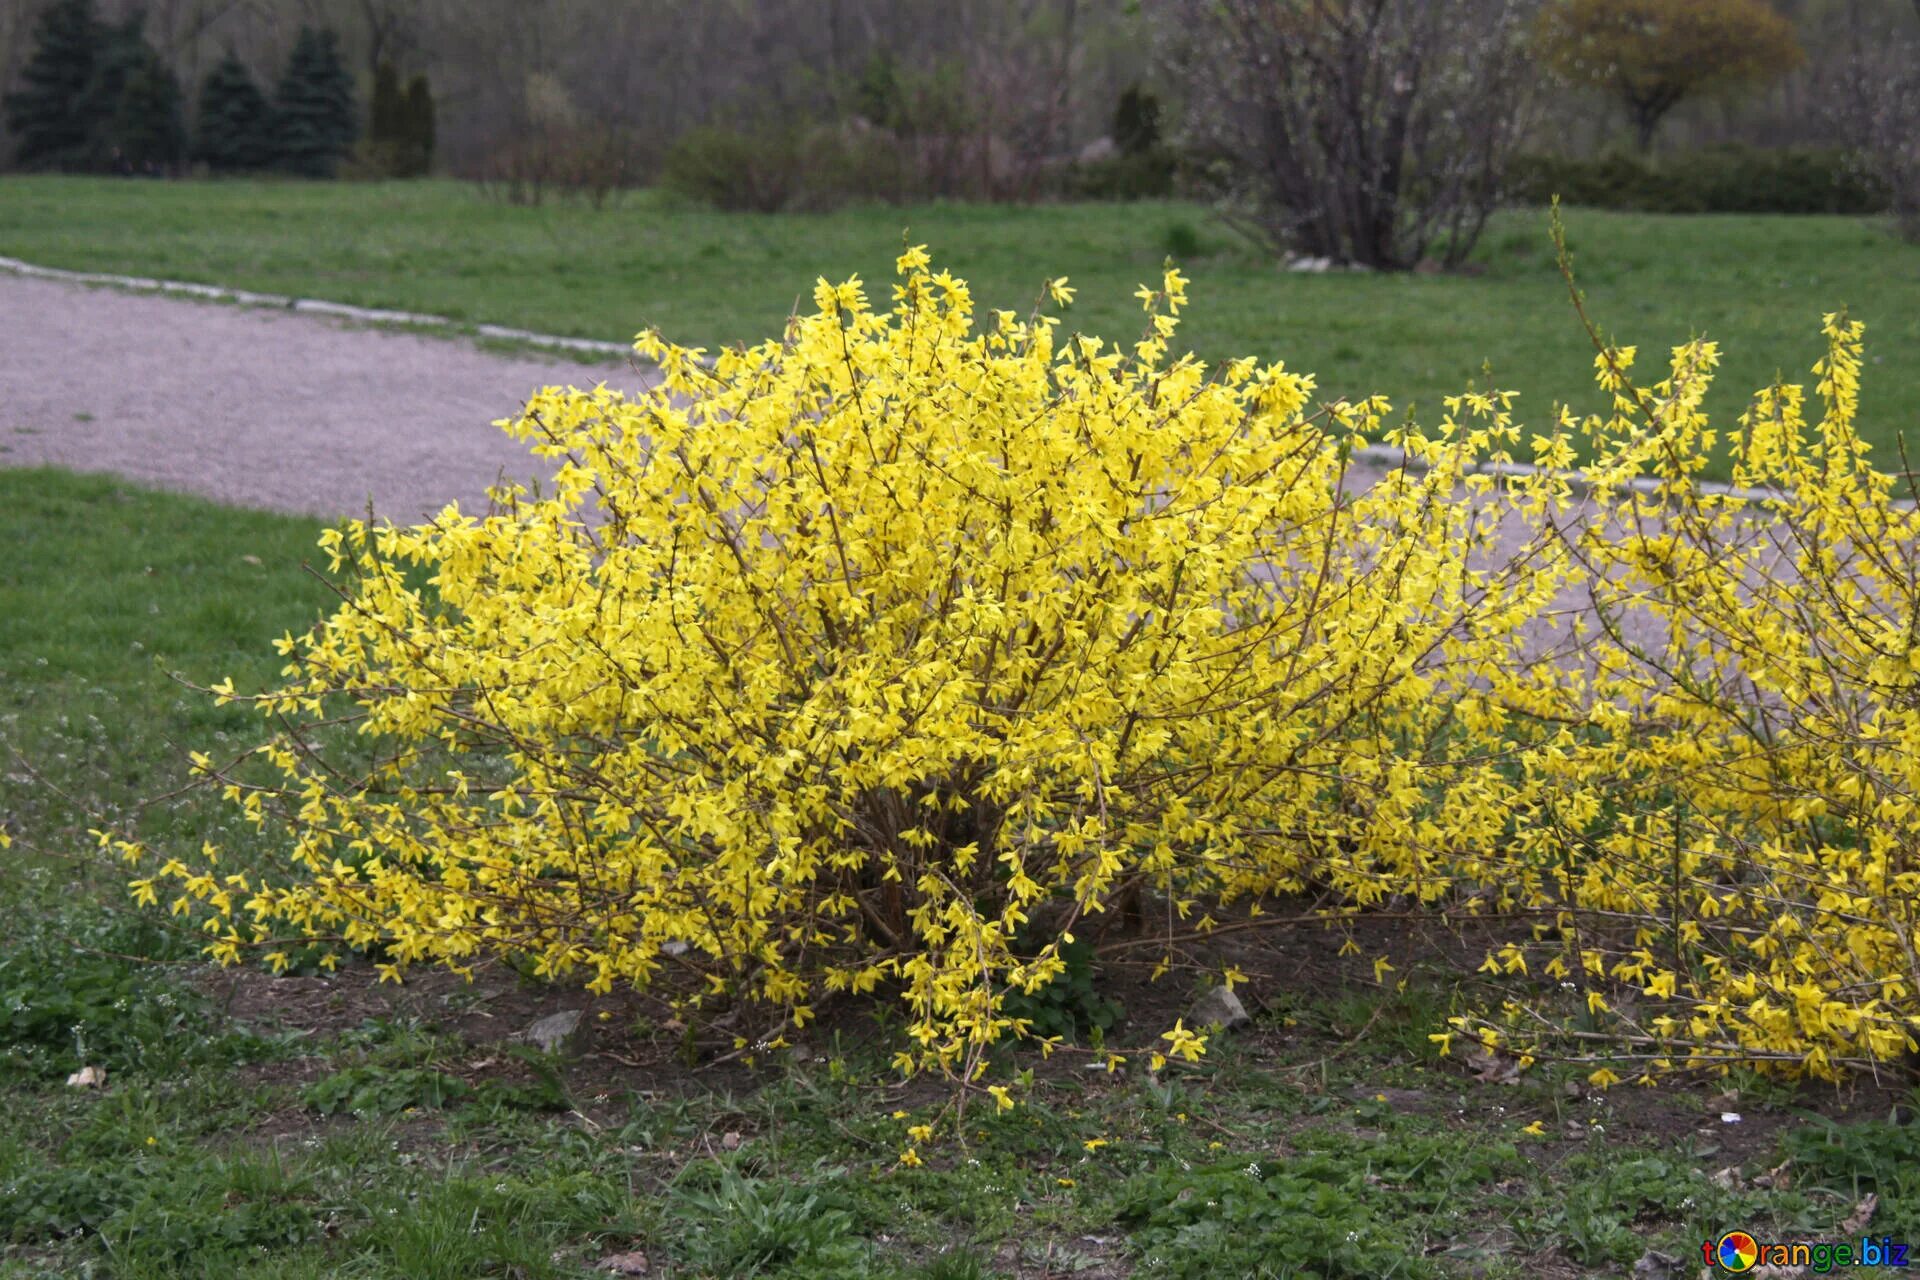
831,664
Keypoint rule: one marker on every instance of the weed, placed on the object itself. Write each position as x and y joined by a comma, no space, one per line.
1070,1005
746,1227
1258,1219
1880,1156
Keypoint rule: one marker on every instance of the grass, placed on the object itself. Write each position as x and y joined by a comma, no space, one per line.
1757,284
292,1128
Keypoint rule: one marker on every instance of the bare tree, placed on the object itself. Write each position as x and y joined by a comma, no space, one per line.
1365,131
1874,99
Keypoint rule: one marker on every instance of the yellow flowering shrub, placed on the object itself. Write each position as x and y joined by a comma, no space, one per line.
1726,820
830,664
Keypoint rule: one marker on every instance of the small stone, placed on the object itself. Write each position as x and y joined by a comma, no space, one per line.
87,1078
623,1264
730,1141
1220,1008
1654,1265
565,1033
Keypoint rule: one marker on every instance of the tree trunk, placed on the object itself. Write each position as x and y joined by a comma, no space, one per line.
1645,121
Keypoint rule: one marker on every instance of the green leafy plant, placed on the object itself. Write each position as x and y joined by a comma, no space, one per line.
88,987
742,1226
377,1090
1258,1219
1071,1005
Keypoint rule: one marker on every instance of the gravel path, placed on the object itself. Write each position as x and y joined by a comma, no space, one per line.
261,408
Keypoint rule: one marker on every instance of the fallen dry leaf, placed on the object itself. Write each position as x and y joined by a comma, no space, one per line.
1862,1214
623,1264
1494,1068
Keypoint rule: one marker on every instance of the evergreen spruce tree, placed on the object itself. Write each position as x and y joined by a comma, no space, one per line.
234,130
123,52
419,116
48,116
313,107
148,130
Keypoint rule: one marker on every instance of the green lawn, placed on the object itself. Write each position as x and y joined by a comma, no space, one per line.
1758,284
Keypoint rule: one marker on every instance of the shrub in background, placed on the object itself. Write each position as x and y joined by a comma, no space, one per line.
400,126
751,168
1714,180
555,147
420,124
1364,131
1878,112
1142,168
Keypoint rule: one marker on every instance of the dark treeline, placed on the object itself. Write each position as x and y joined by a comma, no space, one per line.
1045,75
1400,122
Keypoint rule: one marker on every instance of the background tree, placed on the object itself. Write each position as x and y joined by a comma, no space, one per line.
48,116
233,132
1136,121
387,106
399,125
1652,55
1874,104
1363,131
313,110
147,132
420,125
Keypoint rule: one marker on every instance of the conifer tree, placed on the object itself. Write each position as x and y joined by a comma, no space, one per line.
48,116
386,115
233,131
420,125
147,132
313,107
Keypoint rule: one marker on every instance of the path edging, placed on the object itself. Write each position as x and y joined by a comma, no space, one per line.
1377,455
314,306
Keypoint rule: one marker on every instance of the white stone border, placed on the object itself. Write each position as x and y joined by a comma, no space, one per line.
1375,455
317,306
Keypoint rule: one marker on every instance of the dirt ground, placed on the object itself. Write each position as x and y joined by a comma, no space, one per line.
288,412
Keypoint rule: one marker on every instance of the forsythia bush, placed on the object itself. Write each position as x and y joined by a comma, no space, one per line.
885,656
